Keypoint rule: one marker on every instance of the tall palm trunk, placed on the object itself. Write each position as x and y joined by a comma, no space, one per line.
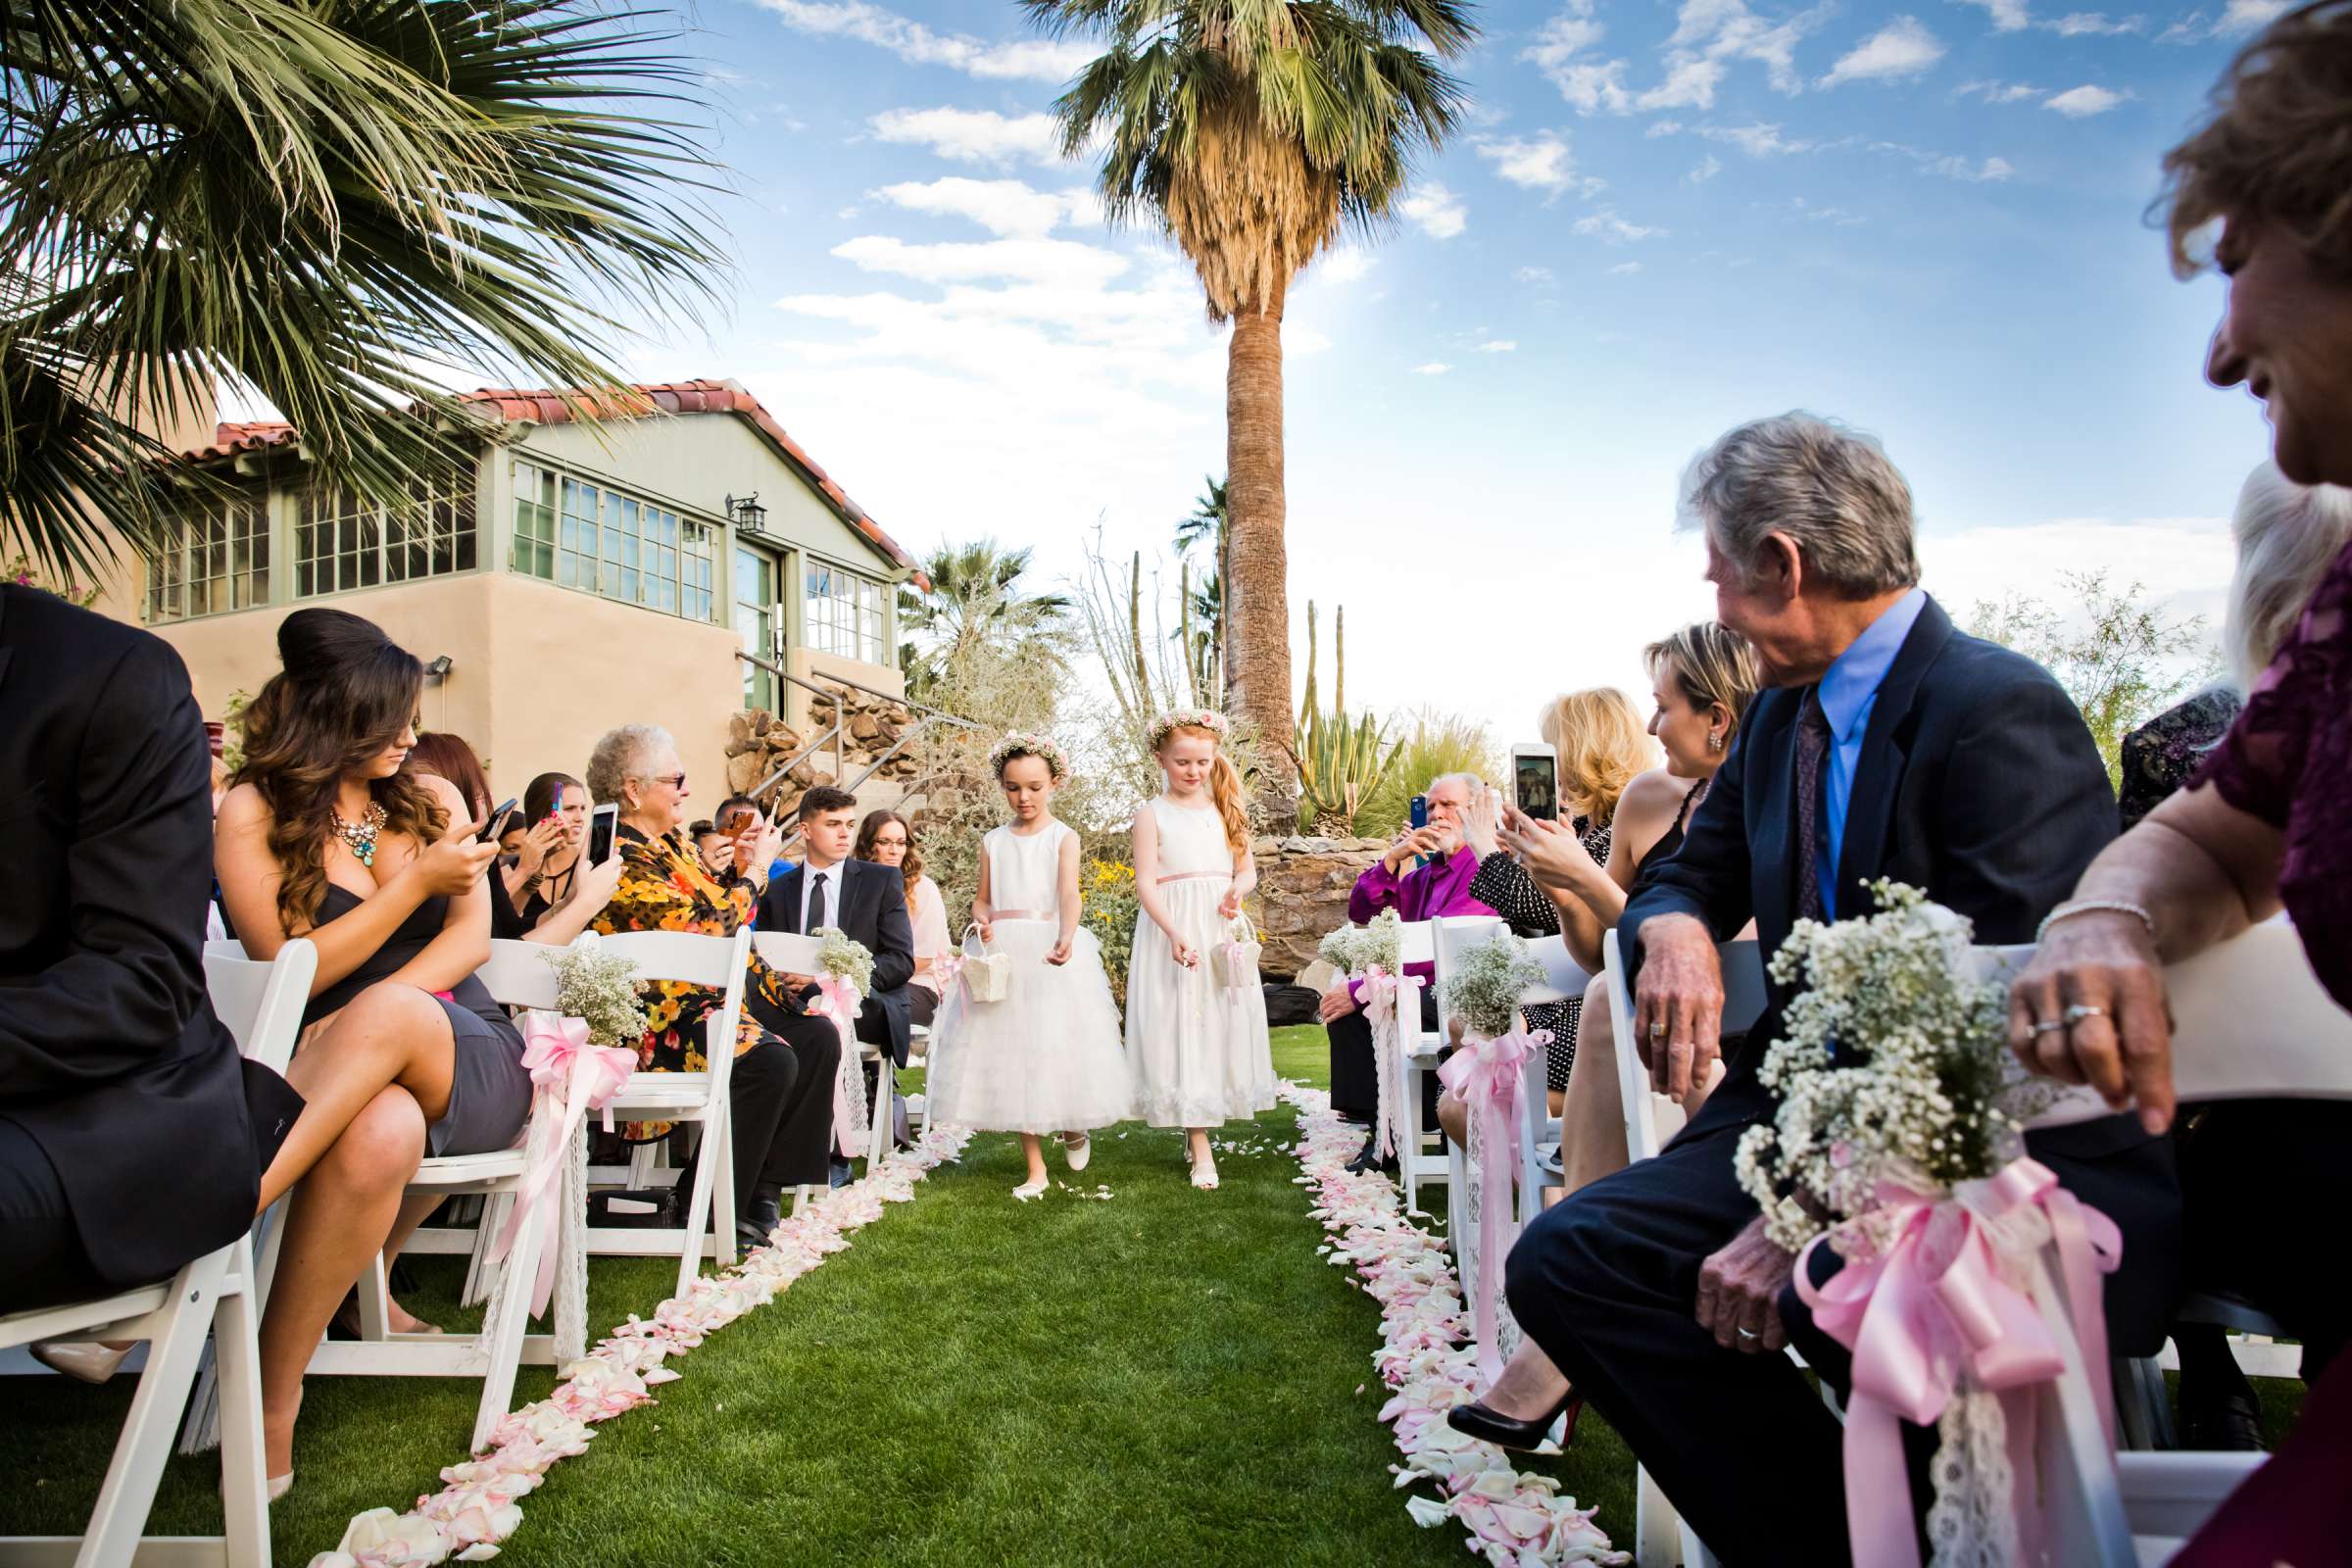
1257,612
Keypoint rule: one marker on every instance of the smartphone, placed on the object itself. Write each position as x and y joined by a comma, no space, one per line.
495,827
603,823
1536,780
1416,816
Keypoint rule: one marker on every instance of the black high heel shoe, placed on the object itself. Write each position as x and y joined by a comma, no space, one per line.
1474,1420
1366,1162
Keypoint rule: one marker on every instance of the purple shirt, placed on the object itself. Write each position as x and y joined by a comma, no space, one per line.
1440,888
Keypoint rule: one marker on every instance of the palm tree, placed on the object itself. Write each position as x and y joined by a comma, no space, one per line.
1207,524
1255,135
338,207
977,603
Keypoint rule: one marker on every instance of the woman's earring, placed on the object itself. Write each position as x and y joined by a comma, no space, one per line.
1714,740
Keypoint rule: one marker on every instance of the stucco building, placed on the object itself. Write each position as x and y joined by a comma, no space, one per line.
575,577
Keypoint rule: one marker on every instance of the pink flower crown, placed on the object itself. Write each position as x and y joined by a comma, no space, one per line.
1041,747
1208,719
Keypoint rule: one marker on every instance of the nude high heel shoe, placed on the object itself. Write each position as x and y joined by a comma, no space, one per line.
86,1360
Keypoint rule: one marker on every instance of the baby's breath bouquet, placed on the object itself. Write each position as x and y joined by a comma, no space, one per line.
1485,987
1338,947
1892,1065
846,960
1380,942
600,988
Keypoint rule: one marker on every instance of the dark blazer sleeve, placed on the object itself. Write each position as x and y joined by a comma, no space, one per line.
1709,876
776,912
2027,747
894,933
138,874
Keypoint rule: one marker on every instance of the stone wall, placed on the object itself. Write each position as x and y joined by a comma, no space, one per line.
1302,887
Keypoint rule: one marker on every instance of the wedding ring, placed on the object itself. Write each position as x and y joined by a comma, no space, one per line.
2078,1012
1657,1031
1748,1334
2044,1026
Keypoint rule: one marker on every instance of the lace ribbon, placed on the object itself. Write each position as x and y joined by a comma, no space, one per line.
1487,1074
839,1001
569,1073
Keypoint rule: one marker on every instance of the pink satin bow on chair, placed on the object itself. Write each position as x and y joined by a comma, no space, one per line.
1486,1075
839,1001
566,1070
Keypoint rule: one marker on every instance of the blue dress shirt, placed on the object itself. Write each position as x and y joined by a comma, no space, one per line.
1848,691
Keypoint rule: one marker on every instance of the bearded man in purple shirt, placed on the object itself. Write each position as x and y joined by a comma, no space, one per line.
1456,840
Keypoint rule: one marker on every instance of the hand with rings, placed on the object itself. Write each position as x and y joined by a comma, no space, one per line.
1678,1003
2089,1008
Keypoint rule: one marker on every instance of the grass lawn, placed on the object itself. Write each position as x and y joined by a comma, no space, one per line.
1164,1377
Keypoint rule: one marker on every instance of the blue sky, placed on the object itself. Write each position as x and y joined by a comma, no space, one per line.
1660,220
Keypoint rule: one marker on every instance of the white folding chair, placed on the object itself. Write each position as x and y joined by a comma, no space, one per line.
261,1004
2249,1021
1563,979
516,974
1419,1052
1451,936
787,953
1660,1538
714,963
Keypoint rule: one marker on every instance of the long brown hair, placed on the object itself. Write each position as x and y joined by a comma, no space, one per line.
448,757
345,694
910,871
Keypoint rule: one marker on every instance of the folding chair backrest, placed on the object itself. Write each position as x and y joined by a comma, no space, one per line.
1650,1119
787,953
1417,943
518,976
1563,977
687,957
261,1004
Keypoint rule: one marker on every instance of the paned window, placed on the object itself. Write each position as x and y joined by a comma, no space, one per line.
343,542
845,613
583,535
218,561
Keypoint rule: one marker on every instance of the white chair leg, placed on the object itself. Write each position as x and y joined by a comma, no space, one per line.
509,1318
496,1207
1410,1153
877,1144
641,1164
244,1472
698,1205
376,1299
145,1442
1657,1527
719,1134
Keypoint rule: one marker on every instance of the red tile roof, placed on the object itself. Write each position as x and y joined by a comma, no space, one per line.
548,406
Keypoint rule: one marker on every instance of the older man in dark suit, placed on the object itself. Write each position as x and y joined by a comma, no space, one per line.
1893,745
132,1135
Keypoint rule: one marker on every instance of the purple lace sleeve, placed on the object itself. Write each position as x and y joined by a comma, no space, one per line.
2288,760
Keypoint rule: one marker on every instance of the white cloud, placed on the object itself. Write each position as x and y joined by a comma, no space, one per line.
1587,85
1002,207
1435,211
1606,225
1904,47
1704,170
1664,127
1532,274
1991,170
2096,24
1710,37
1498,345
1047,262
1542,161
1433,368
1998,92
1757,140
1626,268
2248,15
2008,16
973,135
1031,59
1346,264
2079,103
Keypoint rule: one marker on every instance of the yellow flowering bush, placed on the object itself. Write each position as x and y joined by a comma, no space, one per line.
1108,908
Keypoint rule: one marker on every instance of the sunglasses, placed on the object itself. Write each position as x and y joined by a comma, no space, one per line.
676,781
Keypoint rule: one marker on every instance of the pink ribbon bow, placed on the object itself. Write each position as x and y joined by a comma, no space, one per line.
1379,997
1486,1075
839,1001
564,1067
1237,956
1932,1305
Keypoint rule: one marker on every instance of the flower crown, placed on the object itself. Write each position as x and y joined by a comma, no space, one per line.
1208,719
1041,747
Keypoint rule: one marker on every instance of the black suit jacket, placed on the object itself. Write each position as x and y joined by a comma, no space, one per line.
110,1056
870,908
1977,782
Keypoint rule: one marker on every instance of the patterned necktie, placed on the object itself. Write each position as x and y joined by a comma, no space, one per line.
1812,749
815,919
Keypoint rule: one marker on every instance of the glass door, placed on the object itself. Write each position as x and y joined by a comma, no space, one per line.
759,623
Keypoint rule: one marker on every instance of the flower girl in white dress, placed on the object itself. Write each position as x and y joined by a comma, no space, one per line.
1199,1045
1046,1057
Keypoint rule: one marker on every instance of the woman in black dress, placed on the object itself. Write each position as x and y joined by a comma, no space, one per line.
327,833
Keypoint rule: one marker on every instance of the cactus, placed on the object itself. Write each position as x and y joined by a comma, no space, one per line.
1342,762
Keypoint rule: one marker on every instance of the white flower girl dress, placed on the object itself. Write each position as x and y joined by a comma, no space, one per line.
1046,1058
1199,1046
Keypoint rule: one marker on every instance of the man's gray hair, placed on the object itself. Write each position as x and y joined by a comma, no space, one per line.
1471,783
624,753
1830,489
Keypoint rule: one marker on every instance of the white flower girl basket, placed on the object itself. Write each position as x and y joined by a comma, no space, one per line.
987,977
1234,960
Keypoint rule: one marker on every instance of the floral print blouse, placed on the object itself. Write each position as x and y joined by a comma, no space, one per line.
663,886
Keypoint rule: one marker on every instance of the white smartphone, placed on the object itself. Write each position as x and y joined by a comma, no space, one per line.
603,822
1536,780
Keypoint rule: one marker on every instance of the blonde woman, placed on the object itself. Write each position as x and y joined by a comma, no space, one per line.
1604,751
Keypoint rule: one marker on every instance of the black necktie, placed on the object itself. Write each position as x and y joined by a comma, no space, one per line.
1812,749
817,907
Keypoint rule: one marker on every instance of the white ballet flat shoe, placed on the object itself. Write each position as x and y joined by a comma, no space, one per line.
1077,1150
86,1361
277,1486
1205,1176
1028,1190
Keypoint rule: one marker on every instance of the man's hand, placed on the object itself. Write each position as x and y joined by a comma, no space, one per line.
797,983
1739,1291
1408,844
1337,1002
1678,1003
2122,1045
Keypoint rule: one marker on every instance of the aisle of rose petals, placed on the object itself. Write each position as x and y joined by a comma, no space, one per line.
1514,1520
476,1507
